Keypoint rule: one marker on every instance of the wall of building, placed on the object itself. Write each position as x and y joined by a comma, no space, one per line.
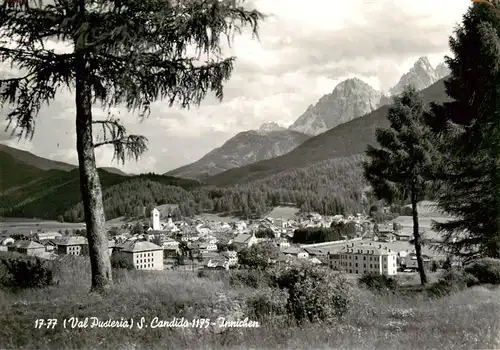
152,260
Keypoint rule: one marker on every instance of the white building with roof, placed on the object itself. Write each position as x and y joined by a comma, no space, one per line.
142,255
72,245
48,235
365,258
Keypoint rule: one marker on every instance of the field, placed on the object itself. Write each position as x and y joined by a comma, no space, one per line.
21,225
215,217
286,213
464,320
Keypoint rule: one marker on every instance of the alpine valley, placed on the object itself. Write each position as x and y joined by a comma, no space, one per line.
314,165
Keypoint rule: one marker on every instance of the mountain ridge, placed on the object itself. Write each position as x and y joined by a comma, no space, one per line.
345,140
45,163
353,98
244,148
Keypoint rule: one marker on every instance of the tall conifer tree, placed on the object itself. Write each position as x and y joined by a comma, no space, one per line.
400,169
468,129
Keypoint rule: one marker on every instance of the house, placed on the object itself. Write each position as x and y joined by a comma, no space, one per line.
384,229
283,243
316,251
364,258
410,261
170,244
49,244
387,237
141,255
403,236
212,247
48,235
27,247
218,263
72,245
231,257
244,240
155,219
296,251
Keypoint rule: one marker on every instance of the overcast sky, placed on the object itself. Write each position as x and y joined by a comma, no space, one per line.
305,49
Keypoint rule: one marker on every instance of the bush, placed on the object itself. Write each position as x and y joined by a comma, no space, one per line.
315,293
486,270
27,272
251,278
378,283
258,256
452,281
118,262
266,304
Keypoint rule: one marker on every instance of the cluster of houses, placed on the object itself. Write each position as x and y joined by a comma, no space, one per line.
216,244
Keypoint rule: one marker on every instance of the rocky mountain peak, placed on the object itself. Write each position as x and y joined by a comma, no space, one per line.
350,99
420,76
271,126
423,64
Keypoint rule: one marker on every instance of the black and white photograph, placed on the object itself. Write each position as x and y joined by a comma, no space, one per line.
249,174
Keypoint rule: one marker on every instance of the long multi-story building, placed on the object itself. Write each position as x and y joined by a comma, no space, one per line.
364,258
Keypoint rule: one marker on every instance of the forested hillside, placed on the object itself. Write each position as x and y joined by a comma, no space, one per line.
31,192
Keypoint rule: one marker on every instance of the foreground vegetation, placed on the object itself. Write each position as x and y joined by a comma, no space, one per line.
341,315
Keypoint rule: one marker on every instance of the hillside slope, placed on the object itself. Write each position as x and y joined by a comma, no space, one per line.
345,140
44,163
30,192
245,148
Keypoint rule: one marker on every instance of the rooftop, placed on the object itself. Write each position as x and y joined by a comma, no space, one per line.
139,246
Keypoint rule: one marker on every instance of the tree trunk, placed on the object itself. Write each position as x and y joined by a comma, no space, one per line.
417,239
90,185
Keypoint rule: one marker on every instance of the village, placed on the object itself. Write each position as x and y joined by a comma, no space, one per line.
160,243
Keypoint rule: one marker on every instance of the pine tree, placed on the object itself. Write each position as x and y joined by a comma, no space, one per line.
400,168
468,129
128,53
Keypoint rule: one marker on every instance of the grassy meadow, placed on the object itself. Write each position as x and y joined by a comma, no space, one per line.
464,320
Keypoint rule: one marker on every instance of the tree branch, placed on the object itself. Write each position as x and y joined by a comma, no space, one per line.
125,146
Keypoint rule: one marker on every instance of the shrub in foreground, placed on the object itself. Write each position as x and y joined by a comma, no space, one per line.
378,283
253,278
314,293
267,303
28,272
486,270
118,262
452,281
